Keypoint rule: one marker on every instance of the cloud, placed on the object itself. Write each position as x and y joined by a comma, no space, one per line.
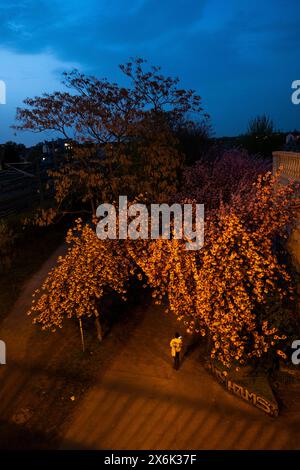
70,27
95,31
250,48
26,75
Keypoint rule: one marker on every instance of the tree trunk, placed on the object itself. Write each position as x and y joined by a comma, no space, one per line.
98,327
81,334
93,207
209,345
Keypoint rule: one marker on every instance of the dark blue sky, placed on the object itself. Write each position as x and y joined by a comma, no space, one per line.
240,55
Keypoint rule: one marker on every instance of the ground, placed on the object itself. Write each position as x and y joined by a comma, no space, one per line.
124,393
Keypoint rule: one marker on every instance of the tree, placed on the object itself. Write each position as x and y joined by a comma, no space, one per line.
261,126
10,152
123,141
195,140
261,137
223,291
74,288
213,183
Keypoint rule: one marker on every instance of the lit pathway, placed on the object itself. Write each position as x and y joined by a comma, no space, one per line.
140,402
24,379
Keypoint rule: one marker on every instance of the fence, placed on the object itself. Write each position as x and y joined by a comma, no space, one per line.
290,164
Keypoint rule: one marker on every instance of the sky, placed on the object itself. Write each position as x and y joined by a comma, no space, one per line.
241,56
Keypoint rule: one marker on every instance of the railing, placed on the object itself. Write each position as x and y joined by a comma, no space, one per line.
290,164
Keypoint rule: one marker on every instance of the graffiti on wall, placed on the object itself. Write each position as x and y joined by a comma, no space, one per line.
271,408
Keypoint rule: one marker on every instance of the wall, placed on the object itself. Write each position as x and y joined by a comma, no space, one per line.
289,162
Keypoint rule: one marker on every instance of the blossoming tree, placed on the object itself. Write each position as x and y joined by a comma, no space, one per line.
220,291
74,288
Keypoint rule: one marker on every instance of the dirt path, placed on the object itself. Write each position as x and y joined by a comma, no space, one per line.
137,401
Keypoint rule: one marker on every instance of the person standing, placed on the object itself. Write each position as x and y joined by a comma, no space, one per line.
176,346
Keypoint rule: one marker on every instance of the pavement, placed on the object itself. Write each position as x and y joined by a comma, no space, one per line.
141,402
138,401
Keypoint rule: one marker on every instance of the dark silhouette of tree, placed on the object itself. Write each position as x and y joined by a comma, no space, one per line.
123,139
261,126
11,152
261,137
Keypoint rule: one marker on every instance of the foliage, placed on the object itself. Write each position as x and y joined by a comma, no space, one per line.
123,137
261,126
10,152
194,140
214,183
75,287
261,137
222,291
7,242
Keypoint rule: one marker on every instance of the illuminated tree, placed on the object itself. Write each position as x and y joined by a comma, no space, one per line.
74,288
222,291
